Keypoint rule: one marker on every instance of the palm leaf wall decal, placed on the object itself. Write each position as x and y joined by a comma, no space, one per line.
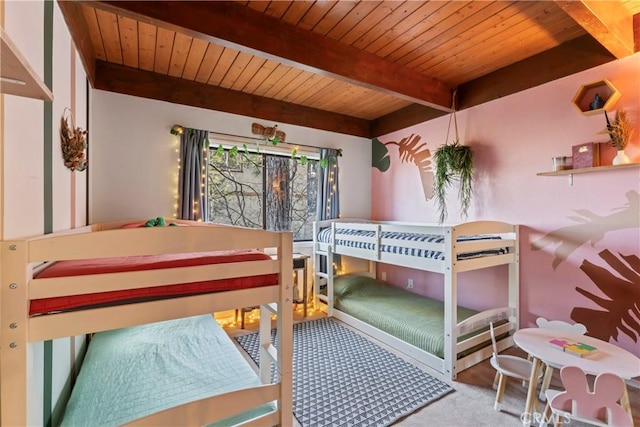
410,150
379,155
590,228
621,307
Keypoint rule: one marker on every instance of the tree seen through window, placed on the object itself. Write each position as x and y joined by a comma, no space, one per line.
259,190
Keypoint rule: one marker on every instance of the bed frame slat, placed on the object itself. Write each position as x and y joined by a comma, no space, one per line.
201,411
75,285
147,241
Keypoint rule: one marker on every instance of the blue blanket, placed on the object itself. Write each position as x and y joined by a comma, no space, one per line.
133,372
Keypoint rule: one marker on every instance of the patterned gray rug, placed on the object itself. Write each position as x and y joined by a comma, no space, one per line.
342,379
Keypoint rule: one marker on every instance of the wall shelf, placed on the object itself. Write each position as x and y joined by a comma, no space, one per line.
570,172
587,170
17,77
586,94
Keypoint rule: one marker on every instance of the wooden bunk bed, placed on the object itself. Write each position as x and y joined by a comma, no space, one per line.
445,249
197,269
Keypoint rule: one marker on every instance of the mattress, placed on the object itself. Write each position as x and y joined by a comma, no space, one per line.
343,236
412,318
133,372
140,263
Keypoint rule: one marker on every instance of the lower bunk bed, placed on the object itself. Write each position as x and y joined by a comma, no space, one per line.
440,334
409,322
154,290
131,373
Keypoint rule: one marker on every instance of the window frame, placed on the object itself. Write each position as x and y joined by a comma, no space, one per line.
263,148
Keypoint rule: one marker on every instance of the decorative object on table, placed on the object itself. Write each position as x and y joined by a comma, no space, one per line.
561,326
575,348
454,162
596,103
620,131
73,142
585,155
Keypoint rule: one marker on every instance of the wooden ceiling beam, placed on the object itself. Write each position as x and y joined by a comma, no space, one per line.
636,32
572,57
72,13
239,27
146,84
408,116
569,58
610,23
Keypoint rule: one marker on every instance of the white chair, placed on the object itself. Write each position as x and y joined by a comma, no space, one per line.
507,366
559,325
577,402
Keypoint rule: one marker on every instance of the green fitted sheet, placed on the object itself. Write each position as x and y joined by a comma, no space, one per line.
133,372
413,318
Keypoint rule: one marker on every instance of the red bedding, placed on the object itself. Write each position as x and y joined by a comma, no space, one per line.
139,263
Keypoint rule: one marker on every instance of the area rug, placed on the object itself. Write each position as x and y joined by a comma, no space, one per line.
342,379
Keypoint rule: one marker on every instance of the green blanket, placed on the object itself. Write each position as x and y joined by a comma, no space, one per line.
410,317
133,372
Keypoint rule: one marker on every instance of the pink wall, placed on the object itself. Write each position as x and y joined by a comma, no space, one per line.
563,226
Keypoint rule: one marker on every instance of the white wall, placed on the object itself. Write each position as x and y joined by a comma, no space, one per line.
133,157
24,177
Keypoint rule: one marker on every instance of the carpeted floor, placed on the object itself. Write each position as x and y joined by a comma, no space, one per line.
343,379
471,404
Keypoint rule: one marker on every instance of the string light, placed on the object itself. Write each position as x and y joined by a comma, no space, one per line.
176,195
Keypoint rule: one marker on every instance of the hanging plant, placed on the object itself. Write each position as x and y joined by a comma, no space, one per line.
73,142
454,164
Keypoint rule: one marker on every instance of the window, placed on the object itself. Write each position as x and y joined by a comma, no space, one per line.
252,187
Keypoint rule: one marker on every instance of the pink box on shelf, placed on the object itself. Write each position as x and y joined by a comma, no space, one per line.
586,155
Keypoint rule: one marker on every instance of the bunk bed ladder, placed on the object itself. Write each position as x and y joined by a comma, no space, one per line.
327,275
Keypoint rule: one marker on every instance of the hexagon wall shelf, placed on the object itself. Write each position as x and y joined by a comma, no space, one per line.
587,93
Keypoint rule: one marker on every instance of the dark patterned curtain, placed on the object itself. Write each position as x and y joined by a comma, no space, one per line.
192,182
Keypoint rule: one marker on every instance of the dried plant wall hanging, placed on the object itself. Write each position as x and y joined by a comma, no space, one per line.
73,142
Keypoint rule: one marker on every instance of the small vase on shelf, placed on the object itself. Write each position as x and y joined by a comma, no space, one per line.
621,158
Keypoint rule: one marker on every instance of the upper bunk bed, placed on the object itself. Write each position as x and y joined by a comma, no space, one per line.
445,249
105,277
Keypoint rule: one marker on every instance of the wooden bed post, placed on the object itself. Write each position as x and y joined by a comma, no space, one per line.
330,274
514,279
450,307
14,334
285,328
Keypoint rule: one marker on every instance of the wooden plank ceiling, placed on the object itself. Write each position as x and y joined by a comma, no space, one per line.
362,68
